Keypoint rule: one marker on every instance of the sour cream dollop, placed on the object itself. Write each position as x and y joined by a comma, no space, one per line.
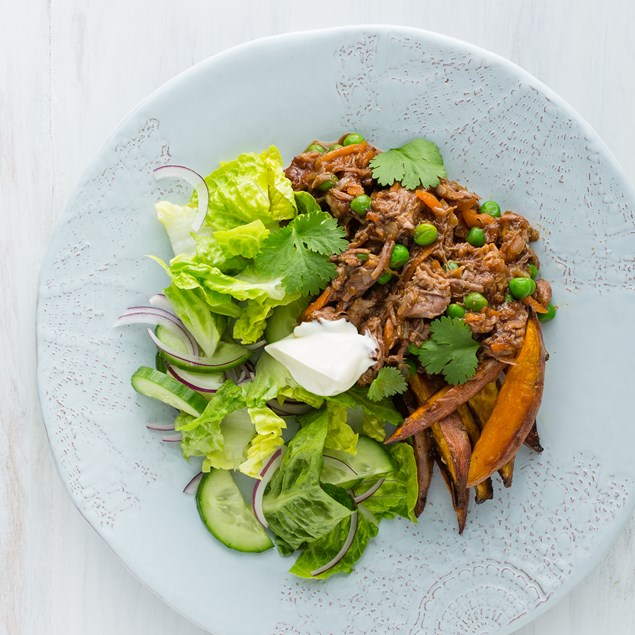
325,356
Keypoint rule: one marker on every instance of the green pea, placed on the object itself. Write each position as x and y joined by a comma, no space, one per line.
476,237
328,184
455,311
399,257
316,147
521,287
509,297
451,265
361,204
492,208
533,271
362,257
475,301
412,367
425,234
352,138
335,146
385,278
549,315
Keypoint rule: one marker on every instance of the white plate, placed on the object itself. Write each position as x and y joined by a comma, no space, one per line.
503,134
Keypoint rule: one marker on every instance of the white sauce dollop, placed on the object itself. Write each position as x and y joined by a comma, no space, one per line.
325,357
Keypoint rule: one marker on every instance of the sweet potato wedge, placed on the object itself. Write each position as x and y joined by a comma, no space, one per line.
482,404
483,491
460,500
446,401
515,410
452,447
533,439
424,458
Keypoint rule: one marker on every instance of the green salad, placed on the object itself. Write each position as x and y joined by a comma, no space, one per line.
250,254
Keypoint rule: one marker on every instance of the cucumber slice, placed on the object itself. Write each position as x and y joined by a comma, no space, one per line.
225,513
371,460
171,339
227,355
152,383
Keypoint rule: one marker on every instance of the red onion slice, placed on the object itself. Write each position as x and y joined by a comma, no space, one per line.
171,438
192,485
369,492
338,464
256,345
259,488
160,301
201,382
195,180
157,316
194,360
343,551
289,408
160,427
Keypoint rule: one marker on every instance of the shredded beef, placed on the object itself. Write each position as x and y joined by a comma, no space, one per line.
398,313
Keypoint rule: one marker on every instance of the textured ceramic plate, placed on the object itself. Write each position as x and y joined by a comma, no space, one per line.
504,135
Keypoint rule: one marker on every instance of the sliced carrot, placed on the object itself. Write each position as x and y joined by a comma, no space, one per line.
317,304
341,152
534,304
430,200
473,219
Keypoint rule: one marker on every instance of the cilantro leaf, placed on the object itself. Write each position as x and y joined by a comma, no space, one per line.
451,350
298,253
389,381
418,163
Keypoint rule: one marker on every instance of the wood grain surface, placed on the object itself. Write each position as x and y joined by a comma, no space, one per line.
70,70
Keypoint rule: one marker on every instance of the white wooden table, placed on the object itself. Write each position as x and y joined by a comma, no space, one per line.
69,72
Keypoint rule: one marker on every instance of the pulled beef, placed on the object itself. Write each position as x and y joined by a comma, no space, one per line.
516,234
542,294
509,332
398,313
394,214
426,295
481,269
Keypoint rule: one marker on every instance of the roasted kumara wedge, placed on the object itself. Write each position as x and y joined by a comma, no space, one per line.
460,498
446,401
482,405
515,410
424,458
452,447
533,439
483,491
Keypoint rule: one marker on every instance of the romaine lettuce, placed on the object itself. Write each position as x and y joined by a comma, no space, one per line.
251,187
297,508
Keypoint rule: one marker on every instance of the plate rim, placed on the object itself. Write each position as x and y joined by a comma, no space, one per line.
584,567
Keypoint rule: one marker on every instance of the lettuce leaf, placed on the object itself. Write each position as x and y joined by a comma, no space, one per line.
237,431
177,220
273,381
191,307
306,203
244,240
297,508
251,187
226,399
269,427
339,435
250,326
324,549
397,495
375,414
